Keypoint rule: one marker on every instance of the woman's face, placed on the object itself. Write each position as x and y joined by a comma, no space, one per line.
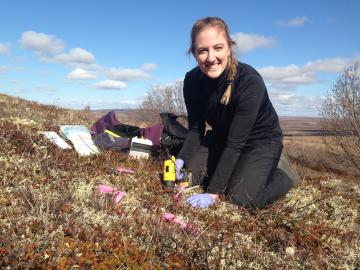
212,51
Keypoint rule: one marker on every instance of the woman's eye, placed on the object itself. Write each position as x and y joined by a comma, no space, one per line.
218,48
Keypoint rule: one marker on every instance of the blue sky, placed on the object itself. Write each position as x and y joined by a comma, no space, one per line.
107,54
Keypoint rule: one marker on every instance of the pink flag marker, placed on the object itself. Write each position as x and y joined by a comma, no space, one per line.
110,190
119,196
124,170
180,190
105,189
169,217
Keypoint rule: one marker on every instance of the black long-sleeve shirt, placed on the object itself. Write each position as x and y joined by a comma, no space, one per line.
248,117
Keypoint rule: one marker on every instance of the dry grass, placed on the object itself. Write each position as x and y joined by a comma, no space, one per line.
53,217
316,160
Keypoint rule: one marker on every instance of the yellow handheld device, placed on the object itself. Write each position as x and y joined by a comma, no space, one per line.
169,172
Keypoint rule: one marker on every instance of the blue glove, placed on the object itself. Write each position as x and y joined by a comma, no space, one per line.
179,164
202,200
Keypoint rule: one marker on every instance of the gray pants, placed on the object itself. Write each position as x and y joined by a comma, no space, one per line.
255,180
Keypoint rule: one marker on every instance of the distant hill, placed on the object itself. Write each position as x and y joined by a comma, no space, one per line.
301,126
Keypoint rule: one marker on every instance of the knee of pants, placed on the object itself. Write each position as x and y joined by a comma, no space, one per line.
246,202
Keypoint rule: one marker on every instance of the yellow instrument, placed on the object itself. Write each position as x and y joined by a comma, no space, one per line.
169,172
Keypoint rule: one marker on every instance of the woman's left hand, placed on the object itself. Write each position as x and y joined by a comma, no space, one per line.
202,200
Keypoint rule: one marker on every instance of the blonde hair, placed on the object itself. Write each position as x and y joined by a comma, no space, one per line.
204,23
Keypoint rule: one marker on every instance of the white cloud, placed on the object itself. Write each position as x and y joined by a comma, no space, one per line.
18,91
296,105
127,74
306,74
46,88
81,74
148,66
329,64
50,49
42,44
109,84
248,42
99,103
297,21
283,81
291,74
76,56
4,69
131,102
4,48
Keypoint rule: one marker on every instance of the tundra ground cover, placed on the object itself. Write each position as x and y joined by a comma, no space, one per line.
52,215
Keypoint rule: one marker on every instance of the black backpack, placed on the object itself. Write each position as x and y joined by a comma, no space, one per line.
127,131
174,133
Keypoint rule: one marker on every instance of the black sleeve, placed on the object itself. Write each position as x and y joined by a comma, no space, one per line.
246,110
196,124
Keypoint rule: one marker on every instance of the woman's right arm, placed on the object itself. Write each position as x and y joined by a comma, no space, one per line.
191,93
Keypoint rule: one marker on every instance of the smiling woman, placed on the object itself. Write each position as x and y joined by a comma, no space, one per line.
211,46
239,157
212,51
